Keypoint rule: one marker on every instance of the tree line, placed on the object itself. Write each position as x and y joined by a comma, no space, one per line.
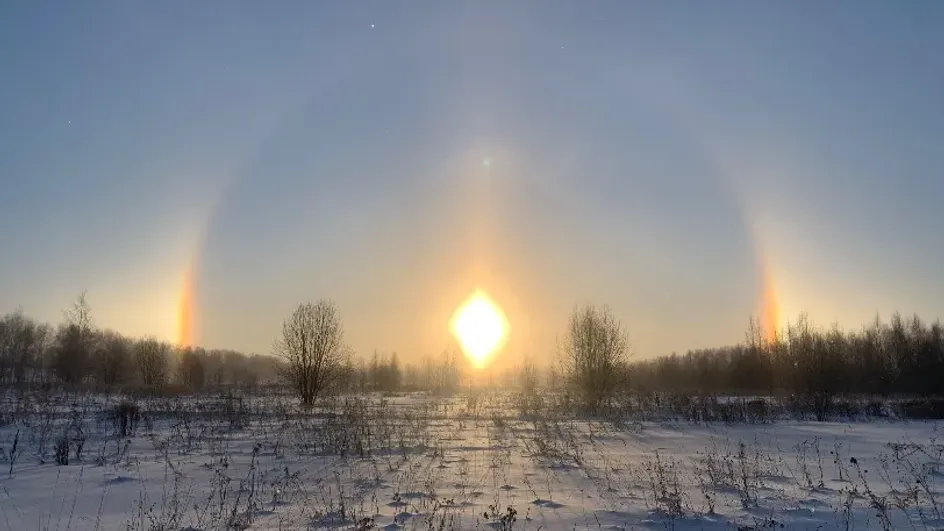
76,354
310,356
903,357
385,373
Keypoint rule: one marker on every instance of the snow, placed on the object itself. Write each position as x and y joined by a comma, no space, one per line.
421,462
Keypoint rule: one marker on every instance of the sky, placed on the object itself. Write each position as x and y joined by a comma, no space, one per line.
200,168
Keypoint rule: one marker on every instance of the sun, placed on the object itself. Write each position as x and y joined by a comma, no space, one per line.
480,326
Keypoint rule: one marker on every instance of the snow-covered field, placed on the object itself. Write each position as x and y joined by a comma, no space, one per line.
467,462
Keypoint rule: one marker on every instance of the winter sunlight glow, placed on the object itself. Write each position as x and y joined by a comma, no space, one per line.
480,326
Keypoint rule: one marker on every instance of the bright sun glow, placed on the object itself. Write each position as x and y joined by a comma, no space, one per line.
480,326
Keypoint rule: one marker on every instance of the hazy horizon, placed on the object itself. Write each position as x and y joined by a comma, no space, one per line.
201,169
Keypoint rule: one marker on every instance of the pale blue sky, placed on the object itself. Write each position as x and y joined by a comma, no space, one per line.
646,155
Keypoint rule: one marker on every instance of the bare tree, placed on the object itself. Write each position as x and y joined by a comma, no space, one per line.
593,353
213,369
191,371
238,369
312,345
528,378
112,359
75,343
151,357
22,341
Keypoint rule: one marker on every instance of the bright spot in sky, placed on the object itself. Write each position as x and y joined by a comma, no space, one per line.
371,25
487,163
480,326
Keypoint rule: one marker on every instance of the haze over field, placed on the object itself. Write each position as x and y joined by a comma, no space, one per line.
201,168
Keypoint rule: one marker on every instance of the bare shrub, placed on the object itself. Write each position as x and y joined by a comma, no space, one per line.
501,520
61,450
347,430
125,418
235,411
809,473
528,401
664,485
312,344
14,452
877,503
593,352
738,471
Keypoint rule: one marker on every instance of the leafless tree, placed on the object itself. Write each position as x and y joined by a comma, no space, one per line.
312,345
238,369
191,371
528,378
151,357
593,353
112,363
213,369
75,343
22,342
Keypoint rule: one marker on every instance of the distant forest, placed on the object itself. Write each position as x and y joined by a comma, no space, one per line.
75,354
903,357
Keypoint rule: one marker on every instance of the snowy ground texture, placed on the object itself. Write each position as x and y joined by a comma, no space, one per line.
466,462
